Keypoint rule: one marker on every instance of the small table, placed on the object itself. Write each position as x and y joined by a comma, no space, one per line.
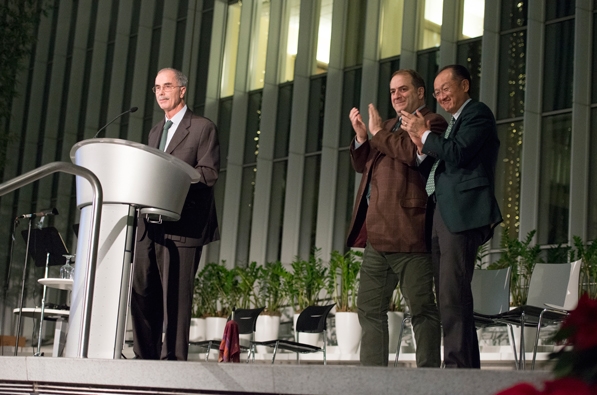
65,284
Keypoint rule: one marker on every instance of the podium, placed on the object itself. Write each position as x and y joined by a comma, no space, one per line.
133,177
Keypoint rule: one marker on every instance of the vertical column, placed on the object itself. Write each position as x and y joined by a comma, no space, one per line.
490,55
531,139
324,235
307,45
267,139
234,171
410,34
581,121
450,32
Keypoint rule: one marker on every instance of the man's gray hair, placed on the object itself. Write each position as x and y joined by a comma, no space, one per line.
182,79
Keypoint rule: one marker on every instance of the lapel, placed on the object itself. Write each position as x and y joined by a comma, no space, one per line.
155,134
182,131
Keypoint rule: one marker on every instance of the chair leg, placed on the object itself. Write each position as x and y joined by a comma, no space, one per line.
275,351
523,357
516,364
400,340
208,351
325,347
537,339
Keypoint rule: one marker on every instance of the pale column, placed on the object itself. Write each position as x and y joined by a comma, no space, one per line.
581,122
238,125
303,69
324,235
531,138
269,109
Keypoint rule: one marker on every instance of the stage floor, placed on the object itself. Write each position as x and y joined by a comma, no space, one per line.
47,375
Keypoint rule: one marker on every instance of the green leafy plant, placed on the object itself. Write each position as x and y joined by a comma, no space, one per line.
521,257
306,281
271,292
588,254
247,284
219,290
342,279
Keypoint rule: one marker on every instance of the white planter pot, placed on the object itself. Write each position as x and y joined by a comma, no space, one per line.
394,324
314,339
266,328
348,332
214,327
197,330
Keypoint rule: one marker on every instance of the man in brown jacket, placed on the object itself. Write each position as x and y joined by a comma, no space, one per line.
389,221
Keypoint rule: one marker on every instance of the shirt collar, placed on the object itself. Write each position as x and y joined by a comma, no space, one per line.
177,118
457,113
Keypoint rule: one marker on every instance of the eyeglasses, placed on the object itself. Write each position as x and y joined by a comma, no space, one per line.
166,88
444,90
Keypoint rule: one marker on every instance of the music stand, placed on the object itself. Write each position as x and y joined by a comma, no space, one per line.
46,247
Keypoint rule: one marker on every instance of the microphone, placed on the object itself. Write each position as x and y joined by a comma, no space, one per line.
132,109
51,211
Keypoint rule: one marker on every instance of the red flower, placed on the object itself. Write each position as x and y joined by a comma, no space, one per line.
563,386
581,324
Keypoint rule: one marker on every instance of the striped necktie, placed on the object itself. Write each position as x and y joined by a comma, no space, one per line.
430,186
164,138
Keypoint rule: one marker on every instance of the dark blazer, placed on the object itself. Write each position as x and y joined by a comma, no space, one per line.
196,143
464,179
394,220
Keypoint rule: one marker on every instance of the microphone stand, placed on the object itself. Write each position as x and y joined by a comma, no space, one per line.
22,289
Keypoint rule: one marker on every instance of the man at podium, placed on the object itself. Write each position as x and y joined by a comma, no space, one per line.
167,254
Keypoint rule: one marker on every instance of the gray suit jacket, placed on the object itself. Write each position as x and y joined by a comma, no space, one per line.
196,143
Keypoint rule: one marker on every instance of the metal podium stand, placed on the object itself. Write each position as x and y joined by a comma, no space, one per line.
133,176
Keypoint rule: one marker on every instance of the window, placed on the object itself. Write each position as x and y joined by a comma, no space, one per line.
473,13
510,112
592,169
230,50
324,36
554,193
558,65
384,105
390,28
290,41
427,66
259,50
469,55
431,24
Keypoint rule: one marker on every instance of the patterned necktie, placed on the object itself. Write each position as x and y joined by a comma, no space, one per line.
164,138
430,186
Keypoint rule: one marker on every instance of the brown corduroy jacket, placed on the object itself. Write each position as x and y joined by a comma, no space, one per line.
394,219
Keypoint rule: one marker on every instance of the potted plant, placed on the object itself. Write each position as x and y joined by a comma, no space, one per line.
271,294
220,290
588,275
521,257
342,285
306,281
247,285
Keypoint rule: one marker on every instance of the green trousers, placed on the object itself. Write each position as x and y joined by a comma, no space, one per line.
380,273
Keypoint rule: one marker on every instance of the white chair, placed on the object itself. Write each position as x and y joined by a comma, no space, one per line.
491,298
552,284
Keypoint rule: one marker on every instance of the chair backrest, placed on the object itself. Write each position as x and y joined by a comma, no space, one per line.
246,319
313,319
491,291
554,283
